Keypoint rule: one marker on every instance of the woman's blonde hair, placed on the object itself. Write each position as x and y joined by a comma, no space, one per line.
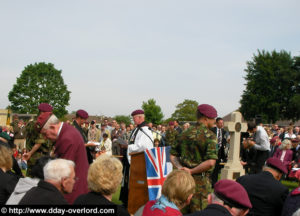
178,186
5,158
105,175
285,143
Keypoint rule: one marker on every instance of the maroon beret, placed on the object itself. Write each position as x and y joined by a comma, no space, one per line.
42,119
276,164
44,107
208,110
137,112
82,114
295,140
171,123
232,193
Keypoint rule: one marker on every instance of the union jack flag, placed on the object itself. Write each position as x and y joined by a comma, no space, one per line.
158,166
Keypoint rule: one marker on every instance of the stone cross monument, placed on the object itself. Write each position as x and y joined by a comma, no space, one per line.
233,168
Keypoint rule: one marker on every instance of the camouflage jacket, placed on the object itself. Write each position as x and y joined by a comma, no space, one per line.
33,137
195,145
171,135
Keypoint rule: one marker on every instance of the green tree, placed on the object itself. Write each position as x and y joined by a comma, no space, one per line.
39,83
272,88
123,118
185,111
152,111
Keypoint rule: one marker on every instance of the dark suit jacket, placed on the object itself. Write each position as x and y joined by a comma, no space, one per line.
44,194
94,198
85,140
212,210
266,194
69,145
8,183
221,152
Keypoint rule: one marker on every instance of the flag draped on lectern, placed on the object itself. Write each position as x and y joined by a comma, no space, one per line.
158,166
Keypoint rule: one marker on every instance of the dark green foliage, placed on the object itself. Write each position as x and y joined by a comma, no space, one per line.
272,88
39,83
185,111
152,111
123,118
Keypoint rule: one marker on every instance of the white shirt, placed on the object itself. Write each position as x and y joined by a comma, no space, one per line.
142,141
262,142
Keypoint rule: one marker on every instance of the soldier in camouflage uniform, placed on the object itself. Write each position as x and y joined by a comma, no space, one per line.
37,145
171,134
194,150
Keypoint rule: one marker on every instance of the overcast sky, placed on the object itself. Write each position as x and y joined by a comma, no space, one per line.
116,54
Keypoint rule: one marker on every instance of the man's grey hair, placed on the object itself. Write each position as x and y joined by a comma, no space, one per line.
266,167
216,199
52,120
57,169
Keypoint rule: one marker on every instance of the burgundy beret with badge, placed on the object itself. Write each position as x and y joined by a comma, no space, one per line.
137,112
232,193
276,164
44,107
208,110
82,114
295,140
42,120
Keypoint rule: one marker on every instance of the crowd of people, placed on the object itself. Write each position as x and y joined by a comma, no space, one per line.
49,162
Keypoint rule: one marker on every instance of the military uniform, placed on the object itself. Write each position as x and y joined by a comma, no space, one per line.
33,137
192,147
170,137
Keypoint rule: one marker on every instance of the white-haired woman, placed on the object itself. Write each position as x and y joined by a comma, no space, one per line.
104,178
284,152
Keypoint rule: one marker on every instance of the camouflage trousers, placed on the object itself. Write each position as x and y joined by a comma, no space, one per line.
203,188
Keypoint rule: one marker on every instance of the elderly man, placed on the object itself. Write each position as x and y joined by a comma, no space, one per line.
140,139
195,151
229,198
265,191
68,145
59,179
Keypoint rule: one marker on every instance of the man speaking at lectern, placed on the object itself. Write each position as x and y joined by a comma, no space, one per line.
141,137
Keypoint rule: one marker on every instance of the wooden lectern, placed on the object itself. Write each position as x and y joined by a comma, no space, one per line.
138,188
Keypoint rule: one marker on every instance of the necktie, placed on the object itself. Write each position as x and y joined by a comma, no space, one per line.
220,137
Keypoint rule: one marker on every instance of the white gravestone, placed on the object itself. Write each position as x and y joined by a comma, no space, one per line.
233,168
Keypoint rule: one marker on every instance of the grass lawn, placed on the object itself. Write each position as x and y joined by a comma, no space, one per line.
290,184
